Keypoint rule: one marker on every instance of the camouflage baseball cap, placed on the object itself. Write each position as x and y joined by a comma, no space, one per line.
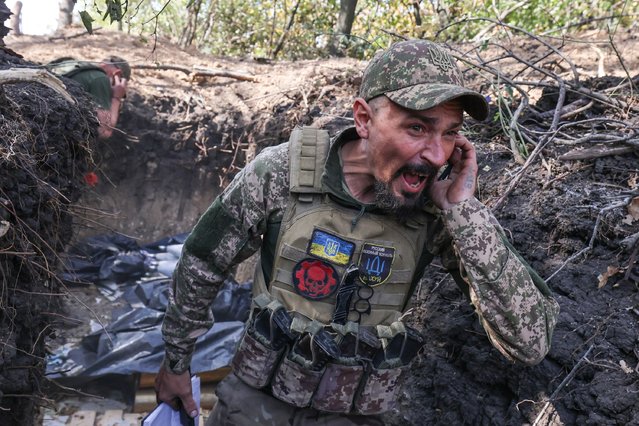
418,75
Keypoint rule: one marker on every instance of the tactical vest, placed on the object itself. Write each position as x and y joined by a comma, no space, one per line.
292,326
390,249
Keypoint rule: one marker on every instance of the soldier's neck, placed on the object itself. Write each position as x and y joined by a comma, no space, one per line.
356,170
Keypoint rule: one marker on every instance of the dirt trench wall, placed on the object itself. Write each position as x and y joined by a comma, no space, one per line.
172,155
590,375
44,153
153,179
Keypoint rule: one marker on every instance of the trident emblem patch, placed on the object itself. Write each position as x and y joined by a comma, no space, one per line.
375,264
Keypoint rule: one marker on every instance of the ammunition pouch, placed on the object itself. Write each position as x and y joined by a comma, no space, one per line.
263,343
379,390
341,368
389,365
294,383
337,388
301,370
254,361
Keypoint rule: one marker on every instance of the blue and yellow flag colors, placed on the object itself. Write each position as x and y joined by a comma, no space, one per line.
331,248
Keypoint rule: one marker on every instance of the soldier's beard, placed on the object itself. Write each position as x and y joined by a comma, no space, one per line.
401,207
406,204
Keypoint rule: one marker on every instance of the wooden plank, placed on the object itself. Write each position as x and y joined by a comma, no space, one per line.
145,399
133,419
110,418
208,398
147,380
83,418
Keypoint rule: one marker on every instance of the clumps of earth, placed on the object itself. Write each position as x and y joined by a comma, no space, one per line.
181,140
44,154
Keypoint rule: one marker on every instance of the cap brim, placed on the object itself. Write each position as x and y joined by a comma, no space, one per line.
424,96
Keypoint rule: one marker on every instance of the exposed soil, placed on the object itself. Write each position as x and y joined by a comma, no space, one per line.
44,152
183,140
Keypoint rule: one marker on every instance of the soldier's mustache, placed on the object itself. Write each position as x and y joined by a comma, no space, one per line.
424,169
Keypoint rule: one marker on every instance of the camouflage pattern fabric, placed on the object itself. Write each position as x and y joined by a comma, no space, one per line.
380,391
240,404
517,316
491,269
419,74
294,383
337,389
227,233
254,362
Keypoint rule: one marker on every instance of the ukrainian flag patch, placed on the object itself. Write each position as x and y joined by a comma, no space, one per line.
330,247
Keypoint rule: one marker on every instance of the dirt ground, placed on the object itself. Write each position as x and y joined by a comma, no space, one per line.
182,139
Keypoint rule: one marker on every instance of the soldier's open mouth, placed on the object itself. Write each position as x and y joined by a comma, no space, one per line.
414,179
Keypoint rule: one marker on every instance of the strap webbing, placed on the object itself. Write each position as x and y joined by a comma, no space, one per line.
308,149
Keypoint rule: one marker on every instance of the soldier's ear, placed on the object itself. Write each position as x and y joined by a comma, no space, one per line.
362,114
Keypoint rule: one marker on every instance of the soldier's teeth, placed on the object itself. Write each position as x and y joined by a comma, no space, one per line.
415,179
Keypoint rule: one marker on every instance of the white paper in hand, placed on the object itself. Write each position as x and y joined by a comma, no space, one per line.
164,415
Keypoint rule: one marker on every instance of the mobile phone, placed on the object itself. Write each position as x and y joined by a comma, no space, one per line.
446,172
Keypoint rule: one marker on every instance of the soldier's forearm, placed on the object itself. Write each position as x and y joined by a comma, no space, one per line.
518,318
188,315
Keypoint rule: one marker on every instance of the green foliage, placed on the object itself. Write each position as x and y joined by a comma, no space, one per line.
256,27
113,10
535,16
87,21
505,98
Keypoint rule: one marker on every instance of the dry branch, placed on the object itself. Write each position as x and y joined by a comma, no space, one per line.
595,152
563,383
570,110
197,71
29,75
516,79
76,35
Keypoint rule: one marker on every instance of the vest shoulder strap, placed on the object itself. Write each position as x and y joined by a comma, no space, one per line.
308,149
70,67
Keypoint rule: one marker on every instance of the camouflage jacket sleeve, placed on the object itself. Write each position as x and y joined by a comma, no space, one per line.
513,303
227,233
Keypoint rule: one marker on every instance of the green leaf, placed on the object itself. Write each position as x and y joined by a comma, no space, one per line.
87,21
510,91
113,10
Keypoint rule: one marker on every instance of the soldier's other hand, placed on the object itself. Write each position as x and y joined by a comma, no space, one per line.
118,87
175,388
461,183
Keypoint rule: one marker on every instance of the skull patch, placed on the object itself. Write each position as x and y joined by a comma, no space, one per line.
314,279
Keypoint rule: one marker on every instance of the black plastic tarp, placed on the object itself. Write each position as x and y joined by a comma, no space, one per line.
132,342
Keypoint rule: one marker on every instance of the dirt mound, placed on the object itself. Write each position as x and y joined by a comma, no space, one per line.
44,153
183,139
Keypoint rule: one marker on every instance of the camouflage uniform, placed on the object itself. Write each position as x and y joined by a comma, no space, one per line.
514,305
